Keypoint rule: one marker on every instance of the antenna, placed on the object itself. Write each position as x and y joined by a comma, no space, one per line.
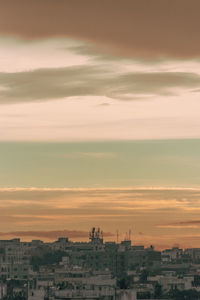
129,234
117,236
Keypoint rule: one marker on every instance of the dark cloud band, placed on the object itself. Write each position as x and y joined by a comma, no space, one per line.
54,234
47,84
129,28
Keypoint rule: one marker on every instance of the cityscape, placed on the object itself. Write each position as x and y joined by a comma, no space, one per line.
62,269
99,149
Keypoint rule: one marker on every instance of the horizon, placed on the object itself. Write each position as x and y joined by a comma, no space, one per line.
75,237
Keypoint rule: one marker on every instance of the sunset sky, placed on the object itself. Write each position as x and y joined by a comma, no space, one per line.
100,119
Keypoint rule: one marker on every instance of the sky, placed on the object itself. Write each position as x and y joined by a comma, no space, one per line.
100,119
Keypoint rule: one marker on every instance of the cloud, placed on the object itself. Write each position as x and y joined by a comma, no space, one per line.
182,224
48,84
52,83
178,226
130,28
195,222
52,234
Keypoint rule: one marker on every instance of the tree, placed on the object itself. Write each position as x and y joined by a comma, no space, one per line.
157,291
125,282
143,276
